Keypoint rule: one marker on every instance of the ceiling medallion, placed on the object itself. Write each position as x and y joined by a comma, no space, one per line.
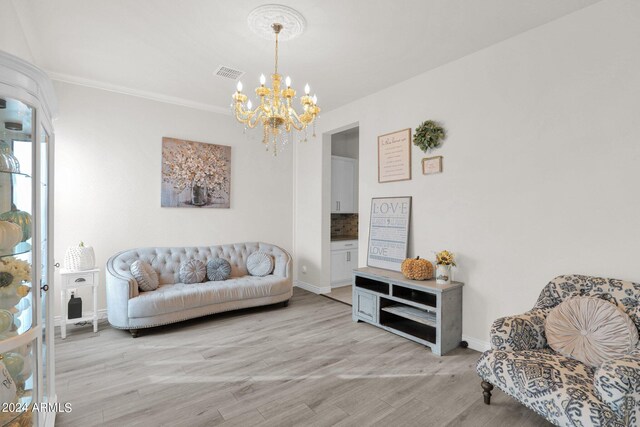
275,111
262,17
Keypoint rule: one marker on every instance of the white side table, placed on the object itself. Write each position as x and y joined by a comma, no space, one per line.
78,279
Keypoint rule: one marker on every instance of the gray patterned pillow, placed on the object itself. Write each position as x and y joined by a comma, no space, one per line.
218,269
192,271
145,275
260,264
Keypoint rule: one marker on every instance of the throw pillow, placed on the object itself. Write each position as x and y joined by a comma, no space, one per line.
218,269
260,264
192,271
590,330
145,275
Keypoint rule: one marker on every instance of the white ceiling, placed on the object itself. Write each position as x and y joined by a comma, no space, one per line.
169,49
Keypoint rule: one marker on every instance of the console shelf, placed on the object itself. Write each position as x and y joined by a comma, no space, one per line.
421,311
415,314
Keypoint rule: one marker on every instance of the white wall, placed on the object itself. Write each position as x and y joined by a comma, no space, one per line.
12,38
541,166
107,189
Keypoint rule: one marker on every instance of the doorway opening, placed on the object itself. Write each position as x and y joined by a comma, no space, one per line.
343,225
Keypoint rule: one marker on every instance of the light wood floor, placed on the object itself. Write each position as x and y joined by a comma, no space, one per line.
307,364
342,294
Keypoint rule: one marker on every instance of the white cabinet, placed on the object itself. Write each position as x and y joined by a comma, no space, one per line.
27,102
344,185
344,259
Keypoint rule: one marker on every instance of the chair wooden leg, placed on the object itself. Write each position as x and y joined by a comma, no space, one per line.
487,387
134,333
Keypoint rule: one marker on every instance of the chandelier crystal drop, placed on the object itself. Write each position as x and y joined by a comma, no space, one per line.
275,111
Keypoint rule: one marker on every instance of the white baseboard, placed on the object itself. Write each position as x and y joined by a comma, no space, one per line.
476,344
102,314
312,288
340,285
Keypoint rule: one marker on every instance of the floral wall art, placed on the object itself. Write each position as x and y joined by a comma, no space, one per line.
195,174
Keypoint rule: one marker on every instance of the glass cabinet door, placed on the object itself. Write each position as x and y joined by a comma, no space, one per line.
44,260
18,357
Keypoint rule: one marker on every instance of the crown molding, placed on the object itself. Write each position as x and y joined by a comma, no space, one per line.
153,96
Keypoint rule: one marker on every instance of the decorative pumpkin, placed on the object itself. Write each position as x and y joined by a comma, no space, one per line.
79,257
14,362
22,218
6,321
8,162
10,235
417,269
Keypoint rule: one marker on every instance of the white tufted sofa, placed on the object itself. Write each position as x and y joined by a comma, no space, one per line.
173,301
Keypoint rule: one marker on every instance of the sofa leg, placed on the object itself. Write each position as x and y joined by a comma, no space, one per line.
134,333
487,387
286,303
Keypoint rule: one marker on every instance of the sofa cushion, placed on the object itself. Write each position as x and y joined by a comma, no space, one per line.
218,269
557,387
193,271
145,275
259,264
590,330
181,296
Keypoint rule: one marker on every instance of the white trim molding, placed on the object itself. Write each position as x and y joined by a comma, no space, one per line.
312,288
476,344
153,96
102,315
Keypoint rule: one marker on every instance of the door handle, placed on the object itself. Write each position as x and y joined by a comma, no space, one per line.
80,279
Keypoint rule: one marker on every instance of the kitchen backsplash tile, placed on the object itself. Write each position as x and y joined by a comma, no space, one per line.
344,225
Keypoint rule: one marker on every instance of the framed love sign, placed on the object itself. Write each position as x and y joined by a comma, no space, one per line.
389,232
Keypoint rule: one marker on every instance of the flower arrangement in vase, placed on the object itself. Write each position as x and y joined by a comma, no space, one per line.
14,273
444,261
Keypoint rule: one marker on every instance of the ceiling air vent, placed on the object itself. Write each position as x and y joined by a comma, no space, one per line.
228,73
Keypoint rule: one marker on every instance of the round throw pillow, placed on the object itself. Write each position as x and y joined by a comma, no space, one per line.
260,264
192,271
218,269
145,275
590,330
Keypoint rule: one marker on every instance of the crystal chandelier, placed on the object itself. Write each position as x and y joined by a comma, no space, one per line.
275,112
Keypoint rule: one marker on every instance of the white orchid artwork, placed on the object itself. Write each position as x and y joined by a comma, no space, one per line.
195,174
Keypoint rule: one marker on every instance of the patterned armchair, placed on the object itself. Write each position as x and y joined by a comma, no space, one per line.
564,390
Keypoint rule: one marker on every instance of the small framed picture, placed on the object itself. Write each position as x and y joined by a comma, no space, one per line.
431,165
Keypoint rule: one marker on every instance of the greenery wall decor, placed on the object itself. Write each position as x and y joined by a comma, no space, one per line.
429,135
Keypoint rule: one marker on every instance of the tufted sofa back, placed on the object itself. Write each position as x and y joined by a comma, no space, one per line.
166,261
626,295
